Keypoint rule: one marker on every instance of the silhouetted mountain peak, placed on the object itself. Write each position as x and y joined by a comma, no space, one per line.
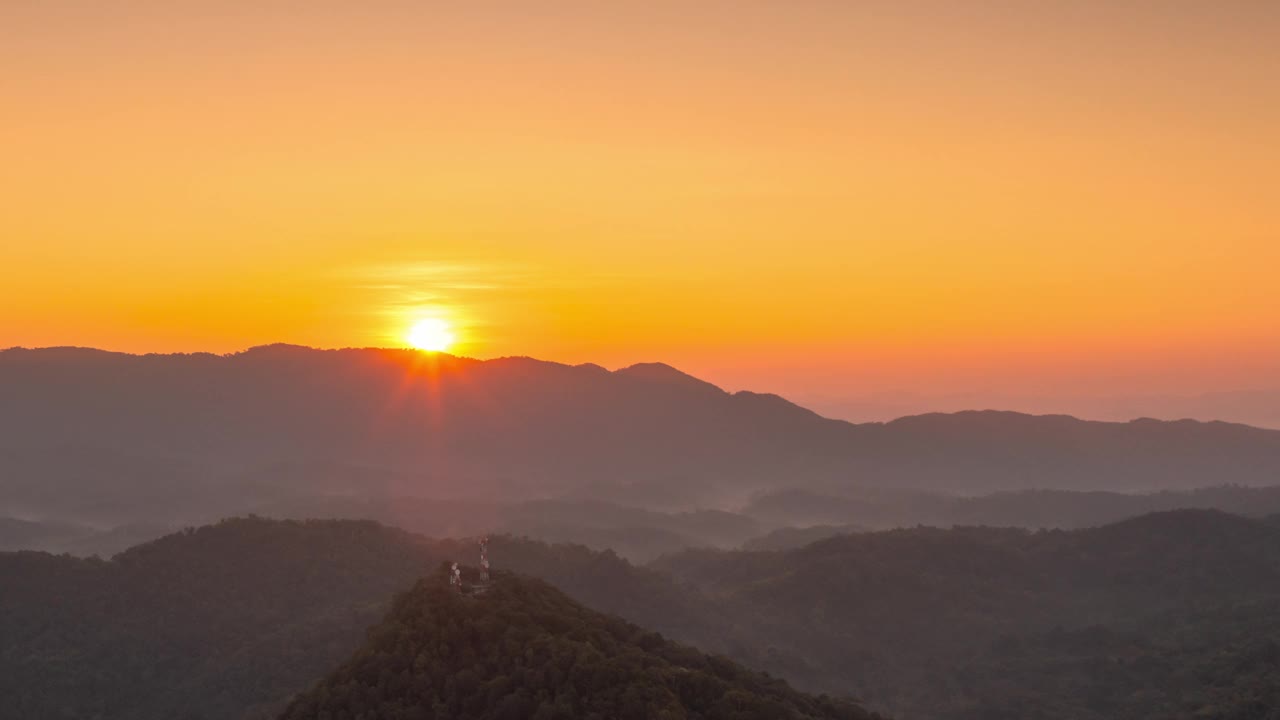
59,356
770,401
280,348
983,418
662,373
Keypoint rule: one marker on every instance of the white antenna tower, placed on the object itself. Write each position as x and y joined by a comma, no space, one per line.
484,559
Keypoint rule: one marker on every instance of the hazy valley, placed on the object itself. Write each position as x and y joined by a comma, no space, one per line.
962,566
101,450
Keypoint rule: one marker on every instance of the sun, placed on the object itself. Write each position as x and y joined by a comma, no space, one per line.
432,334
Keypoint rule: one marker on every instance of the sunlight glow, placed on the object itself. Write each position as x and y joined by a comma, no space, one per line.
431,334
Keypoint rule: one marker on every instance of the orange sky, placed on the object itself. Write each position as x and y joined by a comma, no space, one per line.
819,198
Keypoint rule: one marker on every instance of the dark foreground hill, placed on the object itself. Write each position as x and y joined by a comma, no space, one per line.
523,649
107,439
1169,615
228,621
221,622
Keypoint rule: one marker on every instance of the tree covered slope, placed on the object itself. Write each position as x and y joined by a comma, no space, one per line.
523,649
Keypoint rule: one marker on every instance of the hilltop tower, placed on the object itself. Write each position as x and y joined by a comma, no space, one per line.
484,559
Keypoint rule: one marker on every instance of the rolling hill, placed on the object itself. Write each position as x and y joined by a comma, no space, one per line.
226,621
1165,615
1137,619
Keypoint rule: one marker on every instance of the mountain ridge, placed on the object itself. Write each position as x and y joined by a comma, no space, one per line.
654,371
181,430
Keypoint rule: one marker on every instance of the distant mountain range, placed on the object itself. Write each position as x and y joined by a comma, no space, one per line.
1259,407
104,438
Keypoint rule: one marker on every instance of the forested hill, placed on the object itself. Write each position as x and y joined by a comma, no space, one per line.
228,621
217,623
1168,615
522,650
